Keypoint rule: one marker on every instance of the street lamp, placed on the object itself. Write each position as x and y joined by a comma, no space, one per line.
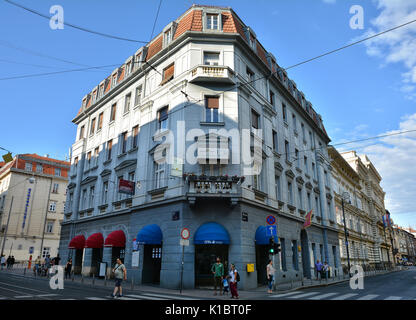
346,196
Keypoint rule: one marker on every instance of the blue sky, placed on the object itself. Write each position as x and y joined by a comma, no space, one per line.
363,91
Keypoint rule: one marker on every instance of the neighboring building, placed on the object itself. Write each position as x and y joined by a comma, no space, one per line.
404,243
37,185
186,79
372,202
346,182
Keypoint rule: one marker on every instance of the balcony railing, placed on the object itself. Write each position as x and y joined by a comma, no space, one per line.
203,73
203,184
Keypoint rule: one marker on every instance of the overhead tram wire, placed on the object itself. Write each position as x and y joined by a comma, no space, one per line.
75,26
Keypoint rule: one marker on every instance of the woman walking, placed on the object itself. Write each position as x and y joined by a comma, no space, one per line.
270,275
68,269
233,282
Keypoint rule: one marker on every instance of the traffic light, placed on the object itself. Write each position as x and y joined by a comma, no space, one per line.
277,248
271,244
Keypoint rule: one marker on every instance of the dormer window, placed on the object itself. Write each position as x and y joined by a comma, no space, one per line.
168,37
114,81
128,68
212,21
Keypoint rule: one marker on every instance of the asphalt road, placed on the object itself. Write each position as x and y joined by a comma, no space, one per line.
392,286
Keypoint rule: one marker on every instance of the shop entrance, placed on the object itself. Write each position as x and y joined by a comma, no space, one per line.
152,262
79,253
205,257
306,264
262,259
96,258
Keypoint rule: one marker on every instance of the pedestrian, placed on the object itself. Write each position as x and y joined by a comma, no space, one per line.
318,267
68,268
217,270
9,262
57,260
270,275
47,264
325,270
37,265
12,261
233,281
120,273
3,261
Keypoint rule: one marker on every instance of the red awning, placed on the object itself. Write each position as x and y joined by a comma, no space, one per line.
115,239
95,240
77,242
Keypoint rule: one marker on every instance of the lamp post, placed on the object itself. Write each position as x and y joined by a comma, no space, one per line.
46,218
346,196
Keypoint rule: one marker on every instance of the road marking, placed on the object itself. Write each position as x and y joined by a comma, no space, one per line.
22,297
95,298
393,298
345,296
303,295
47,295
67,299
12,290
139,297
369,297
169,297
126,298
285,294
12,285
323,296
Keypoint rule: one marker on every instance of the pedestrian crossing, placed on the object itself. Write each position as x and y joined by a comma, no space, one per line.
314,295
126,297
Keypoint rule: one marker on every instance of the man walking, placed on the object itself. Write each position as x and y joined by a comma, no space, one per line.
120,273
318,268
217,270
3,261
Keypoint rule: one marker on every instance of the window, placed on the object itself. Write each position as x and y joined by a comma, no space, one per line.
326,178
334,253
92,130
52,206
300,198
317,207
114,81
88,160
123,142
163,118
168,73
250,75
58,172
278,188
91,199
45,252
287,150
138,96
168,36
321,249
81,133
271,98
71,199
305,162
294,122
297,157
211,109
295,262
109,148
39,168
303,132
49,227
212,21
284,112
159,175
105,193
255,119
76,162
55,187
289,193
28,166
96,155
311,139
309,202
211,58
113,112
313,170
135,137
275,141
127,103
100,121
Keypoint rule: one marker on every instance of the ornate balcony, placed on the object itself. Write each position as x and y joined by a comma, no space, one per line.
203,73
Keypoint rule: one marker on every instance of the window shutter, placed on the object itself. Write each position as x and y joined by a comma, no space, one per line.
212,102
168,73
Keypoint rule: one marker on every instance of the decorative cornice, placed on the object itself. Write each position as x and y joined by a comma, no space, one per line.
278,166
300,180
105,172
290,174
309,185
125,164
89,180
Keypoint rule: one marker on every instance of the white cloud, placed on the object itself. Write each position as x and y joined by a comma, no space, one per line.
395,160
398,46
329,1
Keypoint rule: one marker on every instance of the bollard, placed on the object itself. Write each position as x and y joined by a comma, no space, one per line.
105,280
132,284
93,278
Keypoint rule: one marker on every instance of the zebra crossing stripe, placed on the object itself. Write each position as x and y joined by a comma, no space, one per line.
168,297
145,297
68,299
323,296
47,295
368,297
286,294
304,295
23,297
393,298
95,298
126,298
345,296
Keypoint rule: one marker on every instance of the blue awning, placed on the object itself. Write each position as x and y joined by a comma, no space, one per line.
211,233
150,234
261,236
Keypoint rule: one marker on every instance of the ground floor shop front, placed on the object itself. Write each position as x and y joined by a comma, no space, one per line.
149,242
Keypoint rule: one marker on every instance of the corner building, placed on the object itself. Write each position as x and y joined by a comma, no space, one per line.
204,80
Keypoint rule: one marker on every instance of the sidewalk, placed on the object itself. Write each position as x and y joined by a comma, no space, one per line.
199,293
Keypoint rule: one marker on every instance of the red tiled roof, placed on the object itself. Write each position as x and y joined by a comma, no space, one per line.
154,48
184,24
35,156
197,21
262,54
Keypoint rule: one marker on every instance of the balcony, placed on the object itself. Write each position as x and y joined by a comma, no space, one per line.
218,74
203,186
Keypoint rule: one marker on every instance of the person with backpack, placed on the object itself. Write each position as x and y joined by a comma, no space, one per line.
120,273
234,278
217,270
